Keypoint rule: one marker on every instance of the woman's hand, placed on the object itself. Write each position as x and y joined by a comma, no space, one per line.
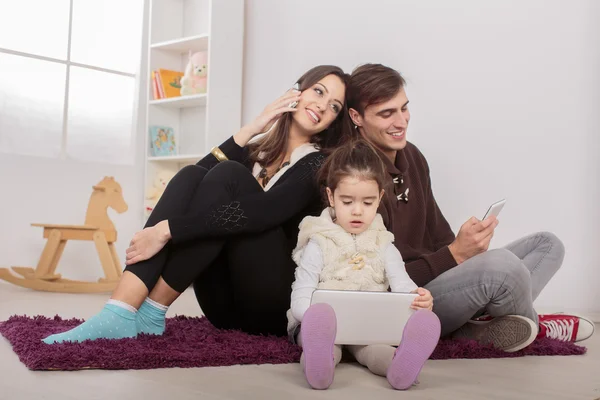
267,118
146,243
424,300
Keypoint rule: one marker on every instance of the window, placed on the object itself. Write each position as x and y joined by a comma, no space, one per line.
68,71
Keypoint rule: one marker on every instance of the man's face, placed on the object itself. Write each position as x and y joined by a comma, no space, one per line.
385,124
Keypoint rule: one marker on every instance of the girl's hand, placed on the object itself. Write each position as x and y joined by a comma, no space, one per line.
267,118
424,300
146,243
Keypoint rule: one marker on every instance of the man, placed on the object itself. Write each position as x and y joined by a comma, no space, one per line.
465,279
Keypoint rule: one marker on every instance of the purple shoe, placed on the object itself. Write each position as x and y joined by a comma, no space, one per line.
419,338
318,330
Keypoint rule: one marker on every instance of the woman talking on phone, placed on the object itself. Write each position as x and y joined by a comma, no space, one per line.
228,224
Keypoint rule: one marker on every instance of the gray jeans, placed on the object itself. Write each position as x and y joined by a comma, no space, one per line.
498,282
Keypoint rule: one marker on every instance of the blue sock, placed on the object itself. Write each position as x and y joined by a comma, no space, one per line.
115,321
150,318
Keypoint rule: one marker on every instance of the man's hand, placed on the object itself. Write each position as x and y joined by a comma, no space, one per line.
473,238
424,300
146,243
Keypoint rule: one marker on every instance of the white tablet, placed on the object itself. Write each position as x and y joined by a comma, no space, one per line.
367,317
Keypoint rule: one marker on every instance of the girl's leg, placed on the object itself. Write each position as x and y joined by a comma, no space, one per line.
376,357
337,356
317,338
419,338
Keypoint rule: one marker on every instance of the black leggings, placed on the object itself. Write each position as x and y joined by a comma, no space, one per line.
241,281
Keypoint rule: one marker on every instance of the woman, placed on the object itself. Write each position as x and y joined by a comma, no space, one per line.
229,223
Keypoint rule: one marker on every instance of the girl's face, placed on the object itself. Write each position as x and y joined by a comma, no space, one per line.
355,202
320,105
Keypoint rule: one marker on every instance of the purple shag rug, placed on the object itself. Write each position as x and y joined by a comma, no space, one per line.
194,342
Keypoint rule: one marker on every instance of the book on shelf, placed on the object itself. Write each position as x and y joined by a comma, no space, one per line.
166,83
162,141
155,93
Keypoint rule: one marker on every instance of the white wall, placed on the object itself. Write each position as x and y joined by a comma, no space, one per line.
503,99
56,191
502,96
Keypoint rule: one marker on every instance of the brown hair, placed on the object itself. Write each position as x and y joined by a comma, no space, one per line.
358,159
371,84
275,143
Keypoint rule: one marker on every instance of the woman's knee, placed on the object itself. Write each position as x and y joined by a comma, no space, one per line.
190,173
228,170
233,176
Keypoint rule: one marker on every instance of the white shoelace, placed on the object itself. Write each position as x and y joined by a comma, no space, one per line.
561,330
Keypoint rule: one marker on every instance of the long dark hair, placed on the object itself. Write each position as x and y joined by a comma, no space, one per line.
357,158
274,144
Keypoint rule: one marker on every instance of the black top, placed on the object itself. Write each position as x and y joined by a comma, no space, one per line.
294,196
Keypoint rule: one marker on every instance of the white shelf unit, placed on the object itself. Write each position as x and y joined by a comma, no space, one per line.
195,100
204,120
183,45
189,158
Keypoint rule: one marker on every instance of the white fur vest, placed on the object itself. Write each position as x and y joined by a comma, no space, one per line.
340,249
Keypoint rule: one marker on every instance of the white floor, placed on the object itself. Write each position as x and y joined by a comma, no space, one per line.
576,377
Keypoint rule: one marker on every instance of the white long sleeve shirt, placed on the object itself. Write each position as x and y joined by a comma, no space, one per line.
310,266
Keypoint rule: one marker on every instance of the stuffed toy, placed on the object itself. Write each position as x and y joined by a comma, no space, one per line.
161,180
194,80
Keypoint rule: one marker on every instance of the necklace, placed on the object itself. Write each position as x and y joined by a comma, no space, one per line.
264,174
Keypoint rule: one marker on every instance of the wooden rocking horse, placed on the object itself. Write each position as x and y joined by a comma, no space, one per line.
97,228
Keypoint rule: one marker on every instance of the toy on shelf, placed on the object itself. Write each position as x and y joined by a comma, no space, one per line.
161,180
194,80
97,228
153,194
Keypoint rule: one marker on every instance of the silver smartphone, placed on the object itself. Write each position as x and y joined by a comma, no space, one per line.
494,209
293,104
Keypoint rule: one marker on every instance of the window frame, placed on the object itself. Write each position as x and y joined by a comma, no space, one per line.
68,64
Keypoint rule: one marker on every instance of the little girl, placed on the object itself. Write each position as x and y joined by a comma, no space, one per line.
349,248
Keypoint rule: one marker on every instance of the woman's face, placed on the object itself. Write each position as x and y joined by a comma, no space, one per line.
320,105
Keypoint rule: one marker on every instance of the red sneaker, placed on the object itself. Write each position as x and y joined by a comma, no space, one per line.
483,318
568,328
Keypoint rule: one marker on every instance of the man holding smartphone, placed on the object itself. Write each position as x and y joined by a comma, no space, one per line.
479,294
